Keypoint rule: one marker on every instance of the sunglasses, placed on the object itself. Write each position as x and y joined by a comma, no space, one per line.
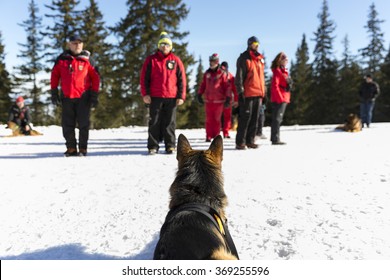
165,45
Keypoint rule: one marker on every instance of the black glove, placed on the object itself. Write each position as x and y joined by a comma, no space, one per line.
199,98
55,98
93,99
227,102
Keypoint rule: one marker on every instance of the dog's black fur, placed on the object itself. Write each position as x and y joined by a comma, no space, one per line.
188,234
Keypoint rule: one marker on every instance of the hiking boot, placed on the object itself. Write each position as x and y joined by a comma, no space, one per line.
170,150
83,152
71,152
227,136
278,143
241,147
152,151
252,146
208,139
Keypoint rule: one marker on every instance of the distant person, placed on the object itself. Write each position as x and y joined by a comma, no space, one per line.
79,79
227,111
280,95
368,92
163,88
19,118
215,89
250,85
261,120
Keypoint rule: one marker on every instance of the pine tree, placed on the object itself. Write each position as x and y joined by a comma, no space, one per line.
27,73
138,35
349,83
373,53
66,20
94,34
323,95
5,85
301,74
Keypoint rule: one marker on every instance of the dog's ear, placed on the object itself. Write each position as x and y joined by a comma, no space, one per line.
183,147
216,148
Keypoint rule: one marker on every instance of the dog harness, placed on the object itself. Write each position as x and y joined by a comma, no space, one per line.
213,216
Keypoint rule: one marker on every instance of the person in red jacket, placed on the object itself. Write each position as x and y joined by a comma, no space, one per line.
227,111
250,84
79,79
215,88
163,88
280,95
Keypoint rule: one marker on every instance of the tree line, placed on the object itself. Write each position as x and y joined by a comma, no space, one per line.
325,90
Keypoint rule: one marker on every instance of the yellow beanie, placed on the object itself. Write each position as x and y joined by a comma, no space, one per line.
164,38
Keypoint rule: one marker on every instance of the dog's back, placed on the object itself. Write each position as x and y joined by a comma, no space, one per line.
195,227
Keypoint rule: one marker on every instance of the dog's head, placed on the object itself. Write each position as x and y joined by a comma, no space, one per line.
214,153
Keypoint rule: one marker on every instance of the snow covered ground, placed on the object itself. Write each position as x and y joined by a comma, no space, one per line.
323,196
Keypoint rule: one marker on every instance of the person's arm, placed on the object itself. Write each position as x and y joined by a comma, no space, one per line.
181,80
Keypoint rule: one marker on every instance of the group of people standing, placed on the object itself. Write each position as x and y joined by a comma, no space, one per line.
248,92
163,87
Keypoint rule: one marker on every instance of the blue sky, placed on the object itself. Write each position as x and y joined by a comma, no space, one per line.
223,26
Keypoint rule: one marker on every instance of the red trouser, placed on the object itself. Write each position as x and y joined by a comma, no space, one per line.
227,120
213,119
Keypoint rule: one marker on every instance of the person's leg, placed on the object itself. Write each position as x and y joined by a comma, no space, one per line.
370,109
227,121
253,121
363,114
83,115
215,119
168,118
154,129
243,121
69,123
277,118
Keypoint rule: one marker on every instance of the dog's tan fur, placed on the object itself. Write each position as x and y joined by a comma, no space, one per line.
16,131
352,124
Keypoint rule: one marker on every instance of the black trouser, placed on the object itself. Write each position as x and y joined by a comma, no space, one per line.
162,122
76,110
260,123
247,120
278,110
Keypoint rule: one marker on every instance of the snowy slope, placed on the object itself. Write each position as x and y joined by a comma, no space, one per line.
325,195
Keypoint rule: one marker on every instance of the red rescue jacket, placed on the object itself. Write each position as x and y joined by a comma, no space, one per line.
163,76
215,86
75,73
279,86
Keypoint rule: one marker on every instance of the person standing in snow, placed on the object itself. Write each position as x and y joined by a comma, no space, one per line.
369,91
79,79
280,95
227,111
163,88
19,117
250,84
215,89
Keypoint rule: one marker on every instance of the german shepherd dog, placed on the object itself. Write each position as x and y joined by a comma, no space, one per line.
18,131
352,124
196,227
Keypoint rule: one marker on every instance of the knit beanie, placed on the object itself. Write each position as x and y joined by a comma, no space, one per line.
214,57
252,40
19,99
164,38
